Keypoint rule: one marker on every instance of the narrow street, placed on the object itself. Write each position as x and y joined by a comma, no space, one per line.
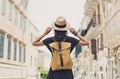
19,59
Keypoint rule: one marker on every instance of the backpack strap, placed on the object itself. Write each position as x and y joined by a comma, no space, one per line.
64,39
54,39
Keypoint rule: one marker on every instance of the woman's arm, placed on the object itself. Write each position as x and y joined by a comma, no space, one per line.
38,41
82,41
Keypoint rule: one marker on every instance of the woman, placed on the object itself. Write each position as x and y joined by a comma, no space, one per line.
60,27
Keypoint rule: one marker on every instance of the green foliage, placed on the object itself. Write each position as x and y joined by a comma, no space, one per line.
43,73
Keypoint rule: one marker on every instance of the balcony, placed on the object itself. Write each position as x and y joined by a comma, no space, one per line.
94,27
94,31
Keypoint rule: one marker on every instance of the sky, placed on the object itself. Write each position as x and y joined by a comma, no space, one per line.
44,12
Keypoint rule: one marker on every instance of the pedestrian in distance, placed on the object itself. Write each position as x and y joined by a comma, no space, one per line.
60,45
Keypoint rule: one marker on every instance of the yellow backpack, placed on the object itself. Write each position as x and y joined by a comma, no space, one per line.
61,58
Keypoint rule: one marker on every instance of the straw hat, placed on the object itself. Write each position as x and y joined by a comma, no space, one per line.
60,24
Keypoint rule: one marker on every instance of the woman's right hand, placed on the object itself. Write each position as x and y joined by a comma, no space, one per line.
73,31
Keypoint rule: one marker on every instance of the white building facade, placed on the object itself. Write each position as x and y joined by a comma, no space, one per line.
18,58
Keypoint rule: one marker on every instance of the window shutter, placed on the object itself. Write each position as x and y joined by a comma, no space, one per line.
77,50
15,50
98,45
93,48
101,43
1,45
9,48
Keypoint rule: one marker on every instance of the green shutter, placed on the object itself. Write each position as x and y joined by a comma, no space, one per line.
9,48
24,55
1,45
15,50
20,52
77,50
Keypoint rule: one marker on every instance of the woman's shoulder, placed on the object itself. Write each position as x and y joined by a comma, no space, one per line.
71,38
48,40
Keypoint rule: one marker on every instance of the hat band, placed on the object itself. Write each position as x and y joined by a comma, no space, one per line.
60,26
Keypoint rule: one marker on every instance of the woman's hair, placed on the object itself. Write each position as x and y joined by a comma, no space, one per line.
60,33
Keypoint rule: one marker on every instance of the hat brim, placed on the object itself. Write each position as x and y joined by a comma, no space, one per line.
60,29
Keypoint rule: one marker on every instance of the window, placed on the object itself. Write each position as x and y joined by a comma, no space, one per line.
101,69
1,45
31,37
98,45
35,61
93,48
30,60
24,25
20,52
10,11
20,21
101,42
119,67
16,16
94,19
15,50
9,48
98,13
24,55
26,3
101,76
22,2
3,7
103,5
78,50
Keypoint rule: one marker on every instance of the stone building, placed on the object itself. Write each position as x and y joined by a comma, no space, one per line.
18,58
101,26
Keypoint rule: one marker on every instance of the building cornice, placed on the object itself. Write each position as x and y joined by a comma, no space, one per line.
90,6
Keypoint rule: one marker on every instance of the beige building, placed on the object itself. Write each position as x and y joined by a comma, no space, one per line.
32,52
101,25
18,58
46,58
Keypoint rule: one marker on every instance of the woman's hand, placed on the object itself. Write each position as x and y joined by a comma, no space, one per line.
37,42
73,31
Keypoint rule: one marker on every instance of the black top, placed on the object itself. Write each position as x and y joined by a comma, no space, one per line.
60,74
69,39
